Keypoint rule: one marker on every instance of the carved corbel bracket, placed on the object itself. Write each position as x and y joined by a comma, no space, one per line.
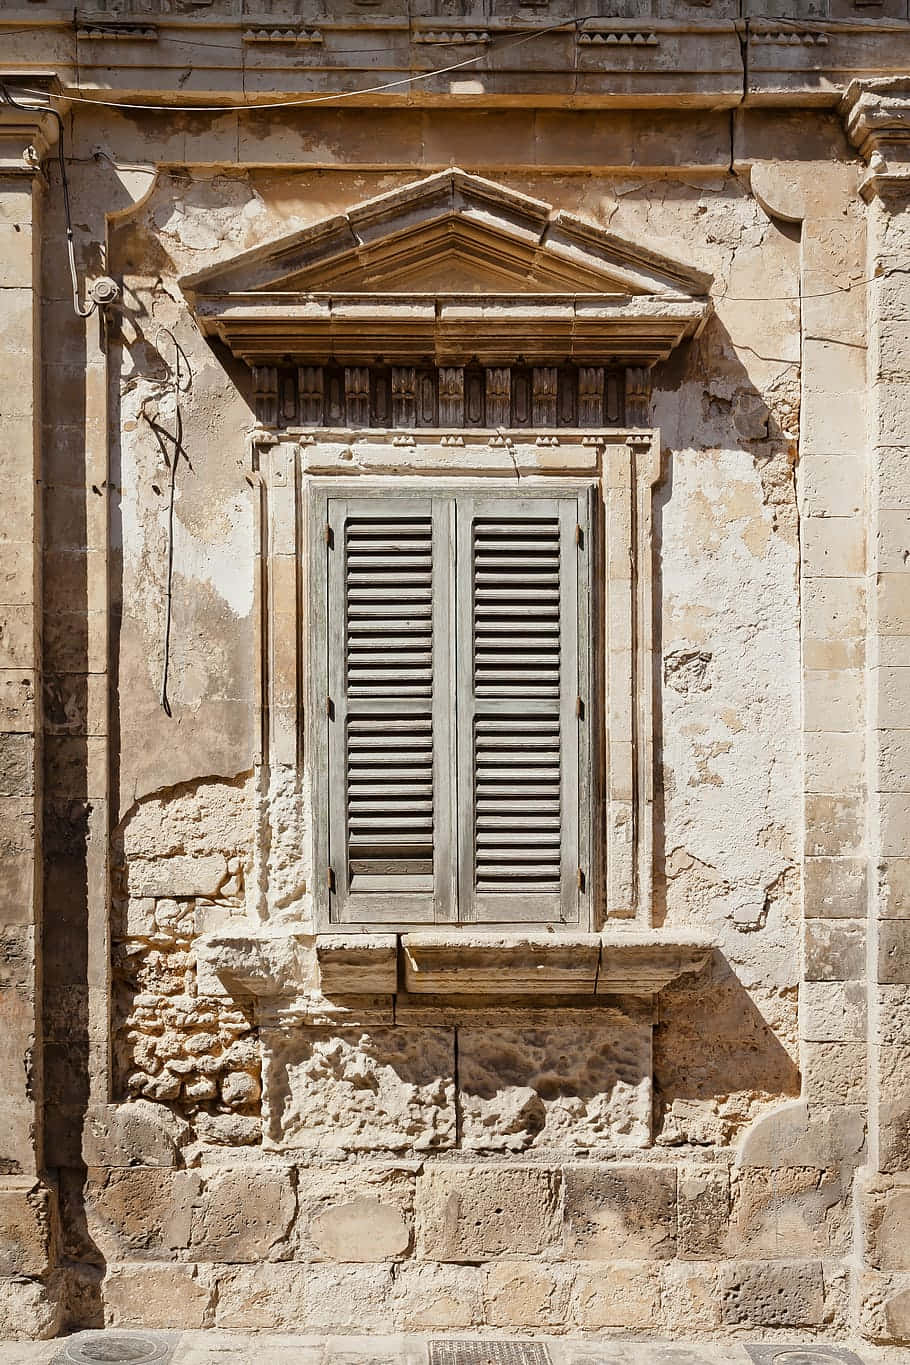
876,116
26,136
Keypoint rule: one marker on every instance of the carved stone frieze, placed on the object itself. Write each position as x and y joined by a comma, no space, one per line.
452,396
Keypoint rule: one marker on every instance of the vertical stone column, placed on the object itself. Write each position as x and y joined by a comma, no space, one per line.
878,123
26,1212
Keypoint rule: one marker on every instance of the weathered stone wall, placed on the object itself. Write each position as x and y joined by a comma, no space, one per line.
198,1134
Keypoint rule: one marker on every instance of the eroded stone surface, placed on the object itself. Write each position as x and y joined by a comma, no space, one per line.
383,1089
574,1087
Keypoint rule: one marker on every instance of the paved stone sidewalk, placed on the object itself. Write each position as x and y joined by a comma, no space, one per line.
219,1348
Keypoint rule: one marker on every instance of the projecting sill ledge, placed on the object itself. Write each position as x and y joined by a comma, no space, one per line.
435,962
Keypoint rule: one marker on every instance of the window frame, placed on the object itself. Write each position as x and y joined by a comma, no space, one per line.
319,493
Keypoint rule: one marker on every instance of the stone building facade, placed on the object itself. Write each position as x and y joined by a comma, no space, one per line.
456,666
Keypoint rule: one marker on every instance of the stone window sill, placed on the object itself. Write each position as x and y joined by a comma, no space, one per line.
450,962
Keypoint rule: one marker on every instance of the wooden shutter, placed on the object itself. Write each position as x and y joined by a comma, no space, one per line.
390,720
522,642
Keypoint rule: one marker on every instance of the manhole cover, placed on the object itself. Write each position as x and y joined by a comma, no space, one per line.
803,1355
488,1353
112,1348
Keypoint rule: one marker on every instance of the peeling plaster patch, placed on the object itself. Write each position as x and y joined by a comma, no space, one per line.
218,564
687,670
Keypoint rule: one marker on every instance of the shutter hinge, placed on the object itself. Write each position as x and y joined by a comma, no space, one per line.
580,879
330,878
579,534
329,536
579,707
330,708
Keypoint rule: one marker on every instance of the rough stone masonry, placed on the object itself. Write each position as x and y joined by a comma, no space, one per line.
455,667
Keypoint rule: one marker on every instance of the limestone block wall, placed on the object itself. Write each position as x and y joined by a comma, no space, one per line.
222,1143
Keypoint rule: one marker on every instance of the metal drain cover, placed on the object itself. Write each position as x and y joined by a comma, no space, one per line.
117,1348
803,1355
488,1353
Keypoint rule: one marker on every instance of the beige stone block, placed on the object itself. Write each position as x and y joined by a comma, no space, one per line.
888,351
891,413
437,1297
76,704
893,541
889,651
689,1298
834,609
620,1213
832,1011
834,825
834,700
525,1294
178,876
833,547
894,952
893,464
480,1213
894,888
244,1215
17,573
75,581
892,759
342,1297
76,518
784,1213
833,423
894,808
779,1294
19,634
156,1295
581,1085
884,1306
357,964
893,603
831,365
894,1108
885,1222
703,1211
460,963
893,1015
793,1135
140,1213
834,762
17,765
892,687
629,1296
373,1089
834,888
832,485
17,860
372,1225
17,254
30,1310
135,1133
835,950
835,1073
270,1296
28,1231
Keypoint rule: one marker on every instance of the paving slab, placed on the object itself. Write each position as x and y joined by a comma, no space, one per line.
268,1348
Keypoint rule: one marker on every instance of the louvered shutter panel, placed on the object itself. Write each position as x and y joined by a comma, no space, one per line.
390,719
523,602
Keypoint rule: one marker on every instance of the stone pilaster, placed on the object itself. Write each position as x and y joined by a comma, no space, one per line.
26,1208
878,123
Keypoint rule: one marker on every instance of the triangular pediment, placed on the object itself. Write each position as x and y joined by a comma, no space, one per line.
452,233
451,267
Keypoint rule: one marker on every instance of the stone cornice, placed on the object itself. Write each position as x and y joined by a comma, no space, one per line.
877,120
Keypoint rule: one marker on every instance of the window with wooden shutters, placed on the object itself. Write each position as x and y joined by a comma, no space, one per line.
454,652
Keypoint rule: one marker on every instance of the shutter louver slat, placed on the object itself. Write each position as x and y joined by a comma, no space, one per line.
389,762
517,797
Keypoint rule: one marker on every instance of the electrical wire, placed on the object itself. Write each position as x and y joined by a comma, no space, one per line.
316,99
87,310
180,385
